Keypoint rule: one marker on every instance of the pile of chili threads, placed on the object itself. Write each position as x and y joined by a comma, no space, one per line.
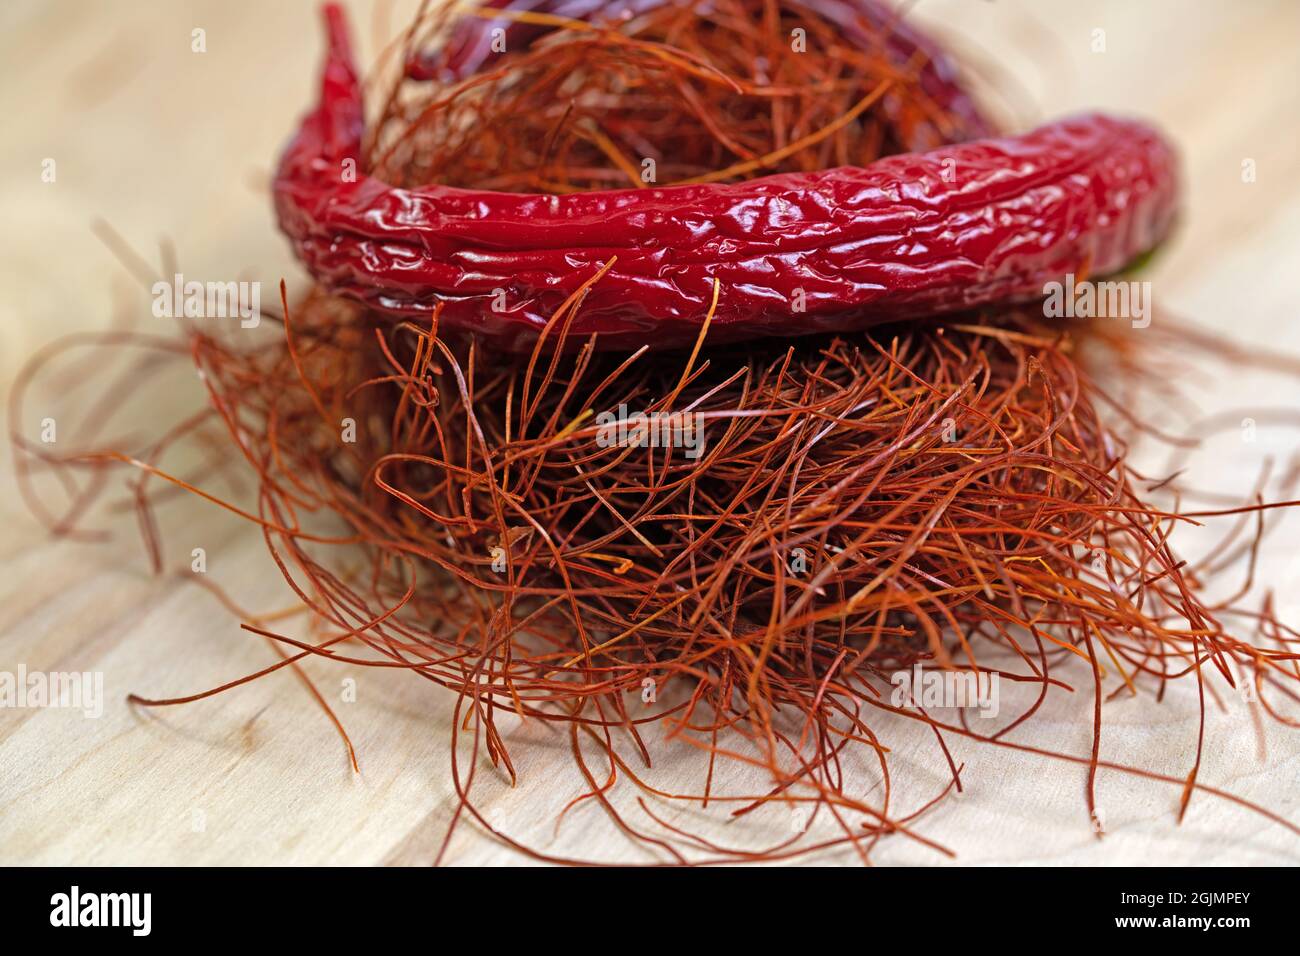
914,469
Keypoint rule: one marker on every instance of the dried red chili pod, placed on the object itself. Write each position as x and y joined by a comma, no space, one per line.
910,235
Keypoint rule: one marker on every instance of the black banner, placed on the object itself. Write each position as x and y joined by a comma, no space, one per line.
334,906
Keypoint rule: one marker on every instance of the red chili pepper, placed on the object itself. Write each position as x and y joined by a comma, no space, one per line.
910,235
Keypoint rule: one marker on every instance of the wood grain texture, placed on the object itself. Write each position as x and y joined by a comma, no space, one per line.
160,141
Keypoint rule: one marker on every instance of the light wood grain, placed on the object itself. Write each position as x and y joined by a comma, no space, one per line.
160,141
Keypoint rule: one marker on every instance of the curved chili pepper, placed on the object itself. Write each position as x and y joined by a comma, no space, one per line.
909,235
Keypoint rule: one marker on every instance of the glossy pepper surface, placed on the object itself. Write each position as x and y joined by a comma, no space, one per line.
912,235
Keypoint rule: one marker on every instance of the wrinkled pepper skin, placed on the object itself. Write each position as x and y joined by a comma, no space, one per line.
913,235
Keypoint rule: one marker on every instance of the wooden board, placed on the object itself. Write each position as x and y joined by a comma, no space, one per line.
161,141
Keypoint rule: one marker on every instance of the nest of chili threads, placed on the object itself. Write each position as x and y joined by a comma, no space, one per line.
738,523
